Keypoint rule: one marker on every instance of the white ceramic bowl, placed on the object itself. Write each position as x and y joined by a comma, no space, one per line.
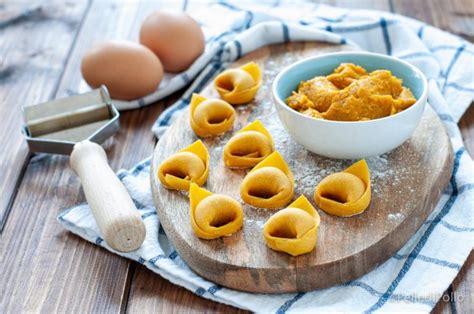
343,139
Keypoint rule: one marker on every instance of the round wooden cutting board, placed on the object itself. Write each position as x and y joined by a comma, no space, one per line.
406,185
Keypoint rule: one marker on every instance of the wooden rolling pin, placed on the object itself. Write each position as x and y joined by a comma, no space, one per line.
113,209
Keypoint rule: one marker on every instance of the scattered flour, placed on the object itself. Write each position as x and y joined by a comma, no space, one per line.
390,176
396,216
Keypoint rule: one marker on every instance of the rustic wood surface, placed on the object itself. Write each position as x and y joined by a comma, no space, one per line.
415,175
46,268
30,71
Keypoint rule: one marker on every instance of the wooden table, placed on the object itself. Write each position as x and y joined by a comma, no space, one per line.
45,268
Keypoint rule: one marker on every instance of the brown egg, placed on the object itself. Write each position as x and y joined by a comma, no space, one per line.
128,70
175,38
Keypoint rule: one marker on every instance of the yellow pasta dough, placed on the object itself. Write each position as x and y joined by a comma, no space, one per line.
210,116
293,230
345,193
269,185
248,147
213,215
190,164
239,86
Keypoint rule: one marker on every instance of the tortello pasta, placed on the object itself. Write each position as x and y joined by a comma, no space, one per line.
345,193
190,164
293,230
210,117
249,146
213,215
269,185
239,86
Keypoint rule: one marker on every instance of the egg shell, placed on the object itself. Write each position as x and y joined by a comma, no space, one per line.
176,38
129,70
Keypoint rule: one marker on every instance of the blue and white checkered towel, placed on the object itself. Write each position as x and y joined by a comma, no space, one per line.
415,278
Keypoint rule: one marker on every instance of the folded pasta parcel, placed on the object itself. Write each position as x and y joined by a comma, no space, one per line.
269,185
213,215
239,86
249,146
345,193
210,117
190,164
293,230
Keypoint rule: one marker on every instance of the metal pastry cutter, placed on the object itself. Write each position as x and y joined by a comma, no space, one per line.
56,126
70,126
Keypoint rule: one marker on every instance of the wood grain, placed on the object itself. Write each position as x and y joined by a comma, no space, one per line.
462,292
454,16
405,189
30,71
45,268
40,52
150,292
466,124
114,212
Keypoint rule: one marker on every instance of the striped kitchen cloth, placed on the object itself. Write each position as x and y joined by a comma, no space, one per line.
414,278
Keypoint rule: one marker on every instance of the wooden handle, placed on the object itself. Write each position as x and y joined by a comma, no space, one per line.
113,209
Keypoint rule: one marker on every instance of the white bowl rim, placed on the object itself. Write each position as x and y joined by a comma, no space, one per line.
420,101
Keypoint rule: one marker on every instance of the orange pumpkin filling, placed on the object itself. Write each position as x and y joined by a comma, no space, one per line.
352,94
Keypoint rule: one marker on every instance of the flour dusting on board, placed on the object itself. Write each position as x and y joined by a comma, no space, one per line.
404,183
386,171
391,178
309,169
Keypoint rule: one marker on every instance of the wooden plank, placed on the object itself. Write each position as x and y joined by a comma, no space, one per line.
170,294
463,288
466,124
443,307
455,16
151,293
467,128
30,71
45,268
